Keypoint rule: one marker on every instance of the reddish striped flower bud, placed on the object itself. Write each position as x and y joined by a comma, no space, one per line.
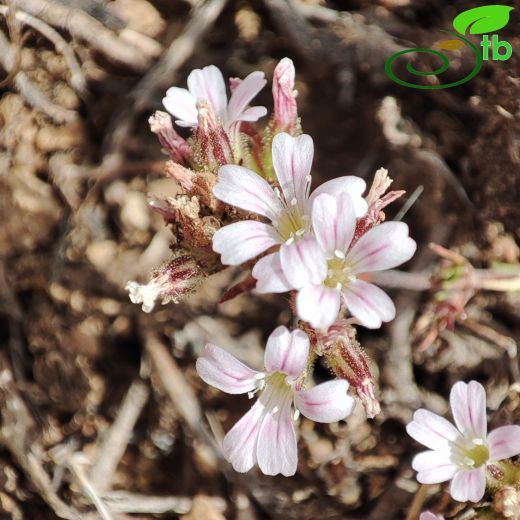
171,141
175,279
284,95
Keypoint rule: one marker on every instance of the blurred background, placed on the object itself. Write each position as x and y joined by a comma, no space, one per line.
102,412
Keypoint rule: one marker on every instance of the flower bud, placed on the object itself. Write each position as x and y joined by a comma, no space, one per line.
348,360
179,277
213,145
171,141
179,173
284,95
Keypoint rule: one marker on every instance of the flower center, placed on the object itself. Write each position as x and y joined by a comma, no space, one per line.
339,272
292,225
472,453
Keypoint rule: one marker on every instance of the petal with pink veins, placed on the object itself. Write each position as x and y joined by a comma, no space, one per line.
181,104
350,184
239,242
287,352
303,262
253,114
292,161
220,369
434,467
318,305
208,83
242,95
334,222
368,304
504,442
239,445
383,247
245,189
432,430
270,276
276,450
469,485
468,406
325,403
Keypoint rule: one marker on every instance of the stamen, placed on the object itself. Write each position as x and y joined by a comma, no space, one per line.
352,278
338,286
339,254
308,178
478,441
294,201
275,410
250,395
468,461
289,241
296,414
277,192
300,232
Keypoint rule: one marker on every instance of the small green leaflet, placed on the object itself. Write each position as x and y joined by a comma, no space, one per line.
482,20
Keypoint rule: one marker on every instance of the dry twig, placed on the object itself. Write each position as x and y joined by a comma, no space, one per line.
114,445
84,27
28,90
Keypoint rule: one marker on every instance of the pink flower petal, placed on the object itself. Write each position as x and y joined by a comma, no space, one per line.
253,114
428,515
241,241
287,352
334,222
432,430
220,369
181,104
208,83
318,305
383,247
276,450
469,485
292,161
247,89
269,275
303,262
468,406
325,403
353,186
504,442
239,445
245,189
368,304
434,467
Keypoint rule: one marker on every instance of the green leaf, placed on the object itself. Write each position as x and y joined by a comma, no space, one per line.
482,20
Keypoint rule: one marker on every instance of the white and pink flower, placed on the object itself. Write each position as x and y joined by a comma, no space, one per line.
461,453
326,271
266,435
428,515
208,83
288,209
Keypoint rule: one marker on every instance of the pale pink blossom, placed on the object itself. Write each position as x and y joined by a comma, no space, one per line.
428,515
288,209
266,435
461,453
208,83
326,271
284,96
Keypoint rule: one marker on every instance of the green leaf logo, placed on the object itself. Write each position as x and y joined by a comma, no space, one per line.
482,20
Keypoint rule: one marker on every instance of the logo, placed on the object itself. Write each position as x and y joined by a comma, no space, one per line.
479,20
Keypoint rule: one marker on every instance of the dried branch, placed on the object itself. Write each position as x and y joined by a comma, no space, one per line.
114,445
135,503
77,79
84,27
16,436
28,90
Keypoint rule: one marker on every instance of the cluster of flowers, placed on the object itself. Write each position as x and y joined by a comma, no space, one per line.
246,201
